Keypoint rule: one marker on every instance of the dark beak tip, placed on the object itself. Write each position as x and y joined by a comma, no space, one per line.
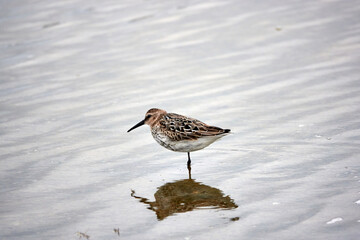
130,129
137,125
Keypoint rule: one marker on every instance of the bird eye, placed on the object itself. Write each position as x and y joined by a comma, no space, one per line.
148,116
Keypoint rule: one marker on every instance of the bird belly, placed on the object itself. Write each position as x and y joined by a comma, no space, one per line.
163,140
193,145
184,145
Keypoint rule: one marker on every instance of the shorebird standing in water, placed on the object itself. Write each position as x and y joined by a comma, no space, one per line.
179,133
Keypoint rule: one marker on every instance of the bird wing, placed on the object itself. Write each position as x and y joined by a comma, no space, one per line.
178,127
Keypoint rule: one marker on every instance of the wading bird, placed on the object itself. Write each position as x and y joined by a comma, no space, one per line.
179,133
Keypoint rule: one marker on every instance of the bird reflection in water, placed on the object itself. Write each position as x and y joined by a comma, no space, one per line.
185,195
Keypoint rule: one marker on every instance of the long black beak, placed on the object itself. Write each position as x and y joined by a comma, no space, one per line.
137,125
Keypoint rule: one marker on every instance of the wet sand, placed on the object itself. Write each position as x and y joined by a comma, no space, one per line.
76,75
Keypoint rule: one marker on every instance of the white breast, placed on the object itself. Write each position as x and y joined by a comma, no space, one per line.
184,145
194,145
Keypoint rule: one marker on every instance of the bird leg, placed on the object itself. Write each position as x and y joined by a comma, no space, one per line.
189,165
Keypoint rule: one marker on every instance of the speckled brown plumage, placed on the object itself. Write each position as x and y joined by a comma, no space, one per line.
180,133
179,127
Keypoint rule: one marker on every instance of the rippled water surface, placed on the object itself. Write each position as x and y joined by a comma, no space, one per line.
283,75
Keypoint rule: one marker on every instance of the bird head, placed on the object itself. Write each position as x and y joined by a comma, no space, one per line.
151,118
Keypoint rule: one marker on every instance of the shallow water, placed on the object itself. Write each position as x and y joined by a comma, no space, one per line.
284,76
